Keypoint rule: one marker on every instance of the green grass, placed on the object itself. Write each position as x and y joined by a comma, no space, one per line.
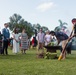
29,64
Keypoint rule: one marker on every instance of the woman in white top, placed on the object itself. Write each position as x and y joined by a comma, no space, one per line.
48,38
15,41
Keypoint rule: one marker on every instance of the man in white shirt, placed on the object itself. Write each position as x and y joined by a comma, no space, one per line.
40,38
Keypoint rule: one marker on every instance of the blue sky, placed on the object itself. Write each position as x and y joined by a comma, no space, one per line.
45,12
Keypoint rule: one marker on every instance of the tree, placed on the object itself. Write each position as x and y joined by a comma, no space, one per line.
14,21
44,28
36,27
62,25
17,21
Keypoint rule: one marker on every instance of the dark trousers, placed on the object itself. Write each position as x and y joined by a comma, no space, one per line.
5,46
0,50
0,47
68,50
61,48
68,47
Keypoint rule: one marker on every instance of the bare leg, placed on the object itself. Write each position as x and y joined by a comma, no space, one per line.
64,55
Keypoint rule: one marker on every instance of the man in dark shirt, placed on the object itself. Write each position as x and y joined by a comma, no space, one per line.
6,37
60,36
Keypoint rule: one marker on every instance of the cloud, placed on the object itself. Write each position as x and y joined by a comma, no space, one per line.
45,6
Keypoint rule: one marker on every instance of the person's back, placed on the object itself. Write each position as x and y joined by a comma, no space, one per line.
61,36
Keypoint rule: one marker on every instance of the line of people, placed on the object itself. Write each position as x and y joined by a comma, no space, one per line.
15,40
45,39
42,39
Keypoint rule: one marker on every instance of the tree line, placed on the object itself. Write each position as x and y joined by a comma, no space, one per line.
16,20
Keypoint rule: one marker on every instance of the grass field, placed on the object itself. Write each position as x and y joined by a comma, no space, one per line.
29,64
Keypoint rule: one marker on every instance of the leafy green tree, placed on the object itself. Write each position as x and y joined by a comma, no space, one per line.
62,25
44,28
17,21
14,21
38,26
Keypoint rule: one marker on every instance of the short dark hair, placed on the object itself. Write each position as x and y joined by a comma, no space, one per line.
52,32
5,23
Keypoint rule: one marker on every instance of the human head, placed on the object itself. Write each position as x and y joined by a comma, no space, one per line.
40,29
47,32
74,21
52,33
6,25
15,30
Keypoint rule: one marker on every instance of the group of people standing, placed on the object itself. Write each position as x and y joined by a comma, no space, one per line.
20,38
42,39
45,38
16,38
